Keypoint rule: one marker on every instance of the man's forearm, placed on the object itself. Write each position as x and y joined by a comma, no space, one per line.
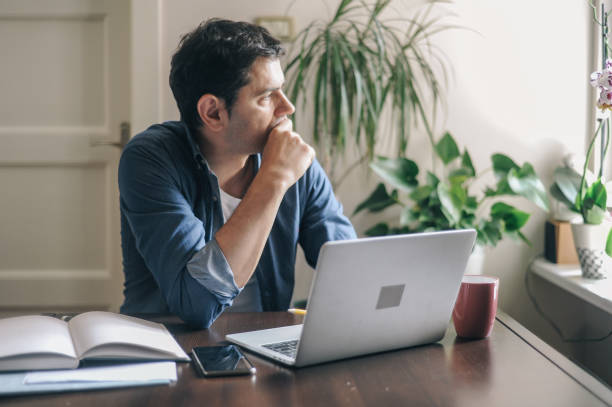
285,158
244,235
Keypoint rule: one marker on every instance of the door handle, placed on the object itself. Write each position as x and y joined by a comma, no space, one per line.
124,137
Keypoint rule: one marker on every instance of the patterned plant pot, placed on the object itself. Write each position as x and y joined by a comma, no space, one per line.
590,242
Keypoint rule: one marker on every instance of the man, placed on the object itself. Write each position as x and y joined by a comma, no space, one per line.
213,206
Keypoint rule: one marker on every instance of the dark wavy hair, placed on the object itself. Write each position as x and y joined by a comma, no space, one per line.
216,58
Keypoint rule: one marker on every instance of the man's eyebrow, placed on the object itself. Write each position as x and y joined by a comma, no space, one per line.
271,89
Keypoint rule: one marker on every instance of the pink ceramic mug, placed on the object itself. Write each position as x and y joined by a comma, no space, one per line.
476,306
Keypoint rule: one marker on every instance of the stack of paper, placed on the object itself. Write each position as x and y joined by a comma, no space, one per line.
125,375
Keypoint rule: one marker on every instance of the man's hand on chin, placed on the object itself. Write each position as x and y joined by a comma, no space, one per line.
286,157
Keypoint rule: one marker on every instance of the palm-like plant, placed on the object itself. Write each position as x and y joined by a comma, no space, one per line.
356,65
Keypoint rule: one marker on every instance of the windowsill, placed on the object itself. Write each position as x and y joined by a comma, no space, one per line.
569,278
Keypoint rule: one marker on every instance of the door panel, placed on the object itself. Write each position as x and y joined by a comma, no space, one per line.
65,82
54,68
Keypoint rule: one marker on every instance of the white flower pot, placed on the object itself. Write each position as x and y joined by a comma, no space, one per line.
590,242
475,263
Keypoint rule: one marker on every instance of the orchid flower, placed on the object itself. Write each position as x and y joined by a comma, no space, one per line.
603,81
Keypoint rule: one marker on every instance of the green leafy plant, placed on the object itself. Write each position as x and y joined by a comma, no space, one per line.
366,58
446,202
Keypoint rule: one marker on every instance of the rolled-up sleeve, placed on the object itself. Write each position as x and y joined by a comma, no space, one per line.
169,236
211,269
323,219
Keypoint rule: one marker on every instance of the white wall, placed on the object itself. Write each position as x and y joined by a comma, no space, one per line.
520,87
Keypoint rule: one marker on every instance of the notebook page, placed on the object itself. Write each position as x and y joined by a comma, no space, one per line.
35,334
96,333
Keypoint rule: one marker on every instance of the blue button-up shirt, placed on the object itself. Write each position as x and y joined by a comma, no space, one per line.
170,212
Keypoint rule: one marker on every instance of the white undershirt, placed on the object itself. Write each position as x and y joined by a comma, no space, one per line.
228,204
248,299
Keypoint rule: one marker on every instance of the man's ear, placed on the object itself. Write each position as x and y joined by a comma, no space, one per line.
212,112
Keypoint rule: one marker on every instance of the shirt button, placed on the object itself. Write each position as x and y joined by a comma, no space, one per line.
214,198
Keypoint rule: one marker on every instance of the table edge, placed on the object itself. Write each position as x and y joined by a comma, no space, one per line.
590,382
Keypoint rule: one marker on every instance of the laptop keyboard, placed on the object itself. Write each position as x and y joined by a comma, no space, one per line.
287,348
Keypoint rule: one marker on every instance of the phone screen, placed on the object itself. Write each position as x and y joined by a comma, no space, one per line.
221,361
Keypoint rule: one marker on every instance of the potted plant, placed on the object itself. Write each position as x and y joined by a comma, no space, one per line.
592,237
588,198
355,67
447,201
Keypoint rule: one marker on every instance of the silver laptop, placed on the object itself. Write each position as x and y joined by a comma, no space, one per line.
372,295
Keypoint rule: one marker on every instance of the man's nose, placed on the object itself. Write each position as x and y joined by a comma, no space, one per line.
285,107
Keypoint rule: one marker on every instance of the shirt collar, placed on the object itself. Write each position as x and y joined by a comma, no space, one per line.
195,149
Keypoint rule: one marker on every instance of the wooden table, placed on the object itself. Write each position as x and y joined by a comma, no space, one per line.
510,368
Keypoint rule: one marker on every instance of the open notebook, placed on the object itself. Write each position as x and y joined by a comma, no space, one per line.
36,342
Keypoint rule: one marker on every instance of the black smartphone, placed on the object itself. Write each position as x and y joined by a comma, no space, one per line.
221,361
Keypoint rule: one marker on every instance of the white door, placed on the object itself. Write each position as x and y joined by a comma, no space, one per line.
64,87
